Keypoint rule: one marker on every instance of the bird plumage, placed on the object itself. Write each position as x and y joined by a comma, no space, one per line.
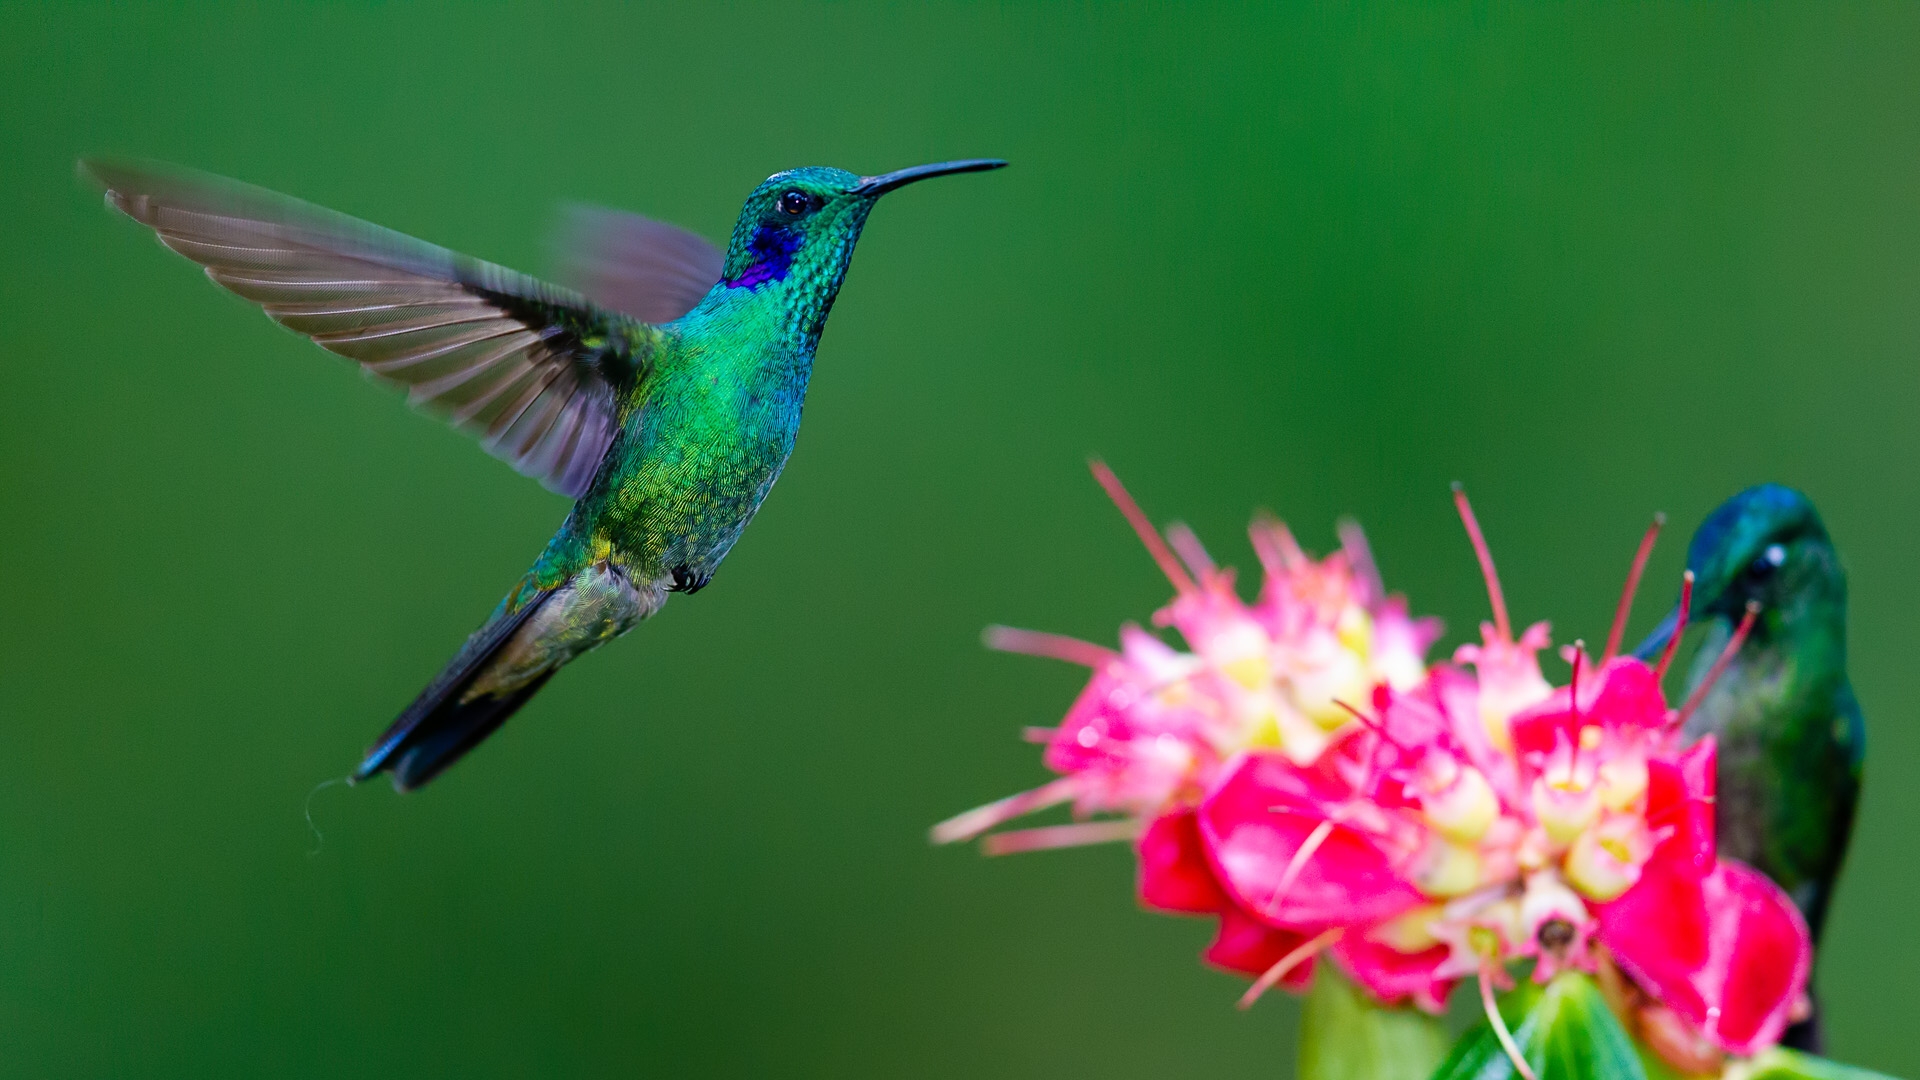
1790,733
663,395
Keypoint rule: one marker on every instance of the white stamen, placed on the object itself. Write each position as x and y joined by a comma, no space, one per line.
1299,862
1059,836
1287,963
978,820
1052,646
1500,1024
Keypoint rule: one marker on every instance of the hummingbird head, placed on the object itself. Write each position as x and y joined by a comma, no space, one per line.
800,226
1765,545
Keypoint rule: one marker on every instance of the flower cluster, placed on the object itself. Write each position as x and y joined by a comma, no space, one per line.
1304,777
1156,726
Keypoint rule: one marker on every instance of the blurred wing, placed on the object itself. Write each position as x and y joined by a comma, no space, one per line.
648,269
533,371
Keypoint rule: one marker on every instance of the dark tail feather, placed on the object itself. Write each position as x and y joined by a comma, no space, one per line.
439,727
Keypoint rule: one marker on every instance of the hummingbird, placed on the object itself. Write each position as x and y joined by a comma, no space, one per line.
1791,737
662,392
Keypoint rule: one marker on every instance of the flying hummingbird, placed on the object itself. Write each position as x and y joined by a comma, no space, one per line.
663,395
1790,733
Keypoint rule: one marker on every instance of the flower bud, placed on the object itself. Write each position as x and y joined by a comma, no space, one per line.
1354,629
1450,870
1605,861
1250,672
1328,677
1411,932
1455,799
1623,780
1565,805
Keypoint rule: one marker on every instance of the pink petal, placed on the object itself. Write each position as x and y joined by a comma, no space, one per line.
1128,752
1728,952
1622,696
1174,872
1255,822
1680,798
1247,946
1455,695
1660,931
1206,614
1410,718
1392,975
1768,961
1393,628
1083,739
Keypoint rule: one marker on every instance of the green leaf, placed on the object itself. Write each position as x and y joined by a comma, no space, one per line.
1780,1063
1655,1066
1565,1032
1345,1035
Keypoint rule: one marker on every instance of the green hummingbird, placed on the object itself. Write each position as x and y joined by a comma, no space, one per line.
1791,738
662,393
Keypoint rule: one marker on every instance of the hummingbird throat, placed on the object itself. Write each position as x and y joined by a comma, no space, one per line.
769,256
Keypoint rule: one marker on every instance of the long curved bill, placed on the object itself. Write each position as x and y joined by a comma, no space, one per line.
1649,650
875,186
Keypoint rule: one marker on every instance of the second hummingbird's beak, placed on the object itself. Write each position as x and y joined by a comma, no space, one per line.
1649,650
875,186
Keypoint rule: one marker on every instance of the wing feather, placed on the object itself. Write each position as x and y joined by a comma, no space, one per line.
535,372
648,269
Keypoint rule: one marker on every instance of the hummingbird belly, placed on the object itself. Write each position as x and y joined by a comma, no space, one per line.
706,460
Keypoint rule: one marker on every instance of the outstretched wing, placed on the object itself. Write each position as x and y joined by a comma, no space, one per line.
648,269
535,372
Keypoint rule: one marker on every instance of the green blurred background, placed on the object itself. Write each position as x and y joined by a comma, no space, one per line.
1595,261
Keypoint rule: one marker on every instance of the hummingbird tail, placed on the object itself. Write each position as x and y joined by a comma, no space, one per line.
446,721
500,667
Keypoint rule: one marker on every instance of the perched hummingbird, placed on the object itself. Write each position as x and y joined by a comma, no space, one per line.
1790,734
663,396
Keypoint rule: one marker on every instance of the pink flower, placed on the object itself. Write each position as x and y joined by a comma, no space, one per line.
1303,778
1156,725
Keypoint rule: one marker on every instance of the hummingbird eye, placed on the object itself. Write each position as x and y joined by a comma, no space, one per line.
795,202
1774,557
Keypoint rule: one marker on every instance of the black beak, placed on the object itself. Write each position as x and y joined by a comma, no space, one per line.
1649,649
875,186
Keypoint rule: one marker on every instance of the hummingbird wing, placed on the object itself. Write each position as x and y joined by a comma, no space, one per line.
648,269
535,372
